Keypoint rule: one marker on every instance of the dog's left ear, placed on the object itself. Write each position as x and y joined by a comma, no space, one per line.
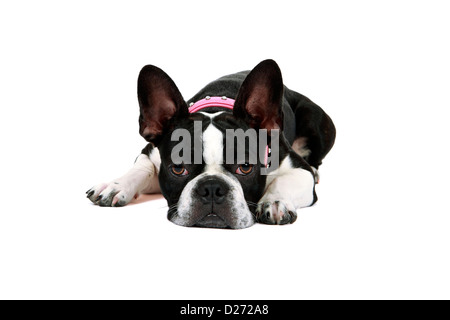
160,103
260,97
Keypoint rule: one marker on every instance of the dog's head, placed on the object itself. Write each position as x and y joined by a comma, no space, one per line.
202,186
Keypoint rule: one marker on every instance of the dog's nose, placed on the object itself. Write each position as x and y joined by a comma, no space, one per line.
212,191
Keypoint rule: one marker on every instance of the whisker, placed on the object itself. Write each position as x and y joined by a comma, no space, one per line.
251,203
173,207
252,206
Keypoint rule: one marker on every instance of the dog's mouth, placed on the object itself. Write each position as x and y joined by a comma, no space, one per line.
212,220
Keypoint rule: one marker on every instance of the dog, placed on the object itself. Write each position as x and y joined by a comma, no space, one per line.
205,186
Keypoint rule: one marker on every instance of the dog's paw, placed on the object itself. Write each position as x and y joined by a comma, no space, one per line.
275,212
113,194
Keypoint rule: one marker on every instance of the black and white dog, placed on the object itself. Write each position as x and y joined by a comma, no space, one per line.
201,185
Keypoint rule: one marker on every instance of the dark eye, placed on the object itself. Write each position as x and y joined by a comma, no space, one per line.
179,170
244,169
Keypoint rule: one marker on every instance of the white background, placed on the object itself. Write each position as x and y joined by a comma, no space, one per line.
69,116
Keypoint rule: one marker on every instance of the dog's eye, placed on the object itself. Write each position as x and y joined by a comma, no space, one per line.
179,170
244,169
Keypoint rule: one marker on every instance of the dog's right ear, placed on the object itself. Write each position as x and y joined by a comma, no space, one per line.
160,102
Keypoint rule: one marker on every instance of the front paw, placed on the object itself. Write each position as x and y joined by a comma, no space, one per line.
112,194
275,212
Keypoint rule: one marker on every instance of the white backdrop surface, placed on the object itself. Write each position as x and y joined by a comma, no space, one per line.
68,72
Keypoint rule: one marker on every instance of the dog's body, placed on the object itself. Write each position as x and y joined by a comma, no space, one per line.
214,192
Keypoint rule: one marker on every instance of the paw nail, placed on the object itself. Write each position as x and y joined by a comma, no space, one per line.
90,194
98,198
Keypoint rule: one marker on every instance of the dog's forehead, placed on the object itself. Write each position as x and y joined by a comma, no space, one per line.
224,120
203,136
214,133
212,141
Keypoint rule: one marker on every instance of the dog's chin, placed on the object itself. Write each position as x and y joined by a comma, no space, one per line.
212,221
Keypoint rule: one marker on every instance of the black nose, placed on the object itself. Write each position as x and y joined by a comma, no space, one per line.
212,191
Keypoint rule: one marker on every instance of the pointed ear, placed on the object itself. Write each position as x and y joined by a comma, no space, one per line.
260,97
160,103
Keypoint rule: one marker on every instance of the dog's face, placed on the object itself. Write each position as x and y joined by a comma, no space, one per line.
212,192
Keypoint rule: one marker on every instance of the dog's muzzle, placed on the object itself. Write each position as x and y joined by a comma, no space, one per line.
214,207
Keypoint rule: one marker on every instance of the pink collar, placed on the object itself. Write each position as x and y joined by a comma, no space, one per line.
222,102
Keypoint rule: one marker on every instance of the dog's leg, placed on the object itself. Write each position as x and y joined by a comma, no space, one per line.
287,189
142,178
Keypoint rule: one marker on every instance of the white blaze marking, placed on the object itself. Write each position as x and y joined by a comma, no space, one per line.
212,115
212,146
